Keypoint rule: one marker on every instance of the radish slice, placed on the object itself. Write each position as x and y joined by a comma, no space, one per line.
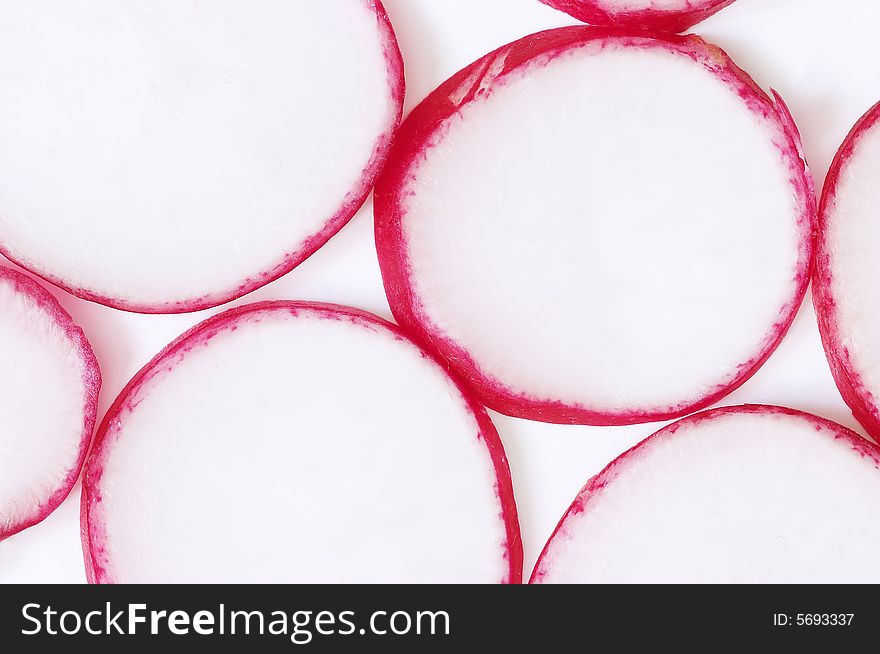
170,156
750,494
48,400
666,15
848,269
298,442
598,228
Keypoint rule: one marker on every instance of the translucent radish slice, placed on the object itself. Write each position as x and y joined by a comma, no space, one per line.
750,494
49,384
298,442
594,227
667,15
169,156
845,287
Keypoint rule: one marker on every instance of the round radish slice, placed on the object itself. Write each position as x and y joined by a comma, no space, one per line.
48,400
750,494
170,156
298,442
848,265
668,15
598,228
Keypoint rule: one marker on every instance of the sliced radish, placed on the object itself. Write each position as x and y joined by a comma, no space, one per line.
667,15
49,384
848,269
298,442
598,228
170,156
750,494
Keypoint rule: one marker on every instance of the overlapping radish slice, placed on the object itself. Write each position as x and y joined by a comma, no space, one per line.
298,442
49,384
596,227
743,494
667,15
170,156
847,279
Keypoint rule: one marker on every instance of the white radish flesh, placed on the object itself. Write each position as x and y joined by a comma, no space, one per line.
169,156
847,279
294,442
749,494
49,384
597,228
668,15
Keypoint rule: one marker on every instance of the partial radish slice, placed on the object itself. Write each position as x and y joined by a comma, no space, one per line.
751,494
169,156
298,442
598,228
49,384
666,15
845,288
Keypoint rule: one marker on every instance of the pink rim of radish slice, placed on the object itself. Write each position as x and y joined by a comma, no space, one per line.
220,146
845,282
48,402
294,441
665,15
597,227
748,494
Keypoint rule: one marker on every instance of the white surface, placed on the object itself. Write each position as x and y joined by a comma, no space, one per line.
738,499
821,56
626,243
854,245
42,395
186,147
326,452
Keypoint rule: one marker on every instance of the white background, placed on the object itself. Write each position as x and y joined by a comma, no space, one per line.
823,56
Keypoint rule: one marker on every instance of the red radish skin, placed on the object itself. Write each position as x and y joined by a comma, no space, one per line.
94,536
423,130
592,492
620,13
348,207
43,301
860,398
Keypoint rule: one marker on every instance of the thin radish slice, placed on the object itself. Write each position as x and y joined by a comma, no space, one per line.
298,442
49,384
750,494
214,149
848,268
666,15
595,227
